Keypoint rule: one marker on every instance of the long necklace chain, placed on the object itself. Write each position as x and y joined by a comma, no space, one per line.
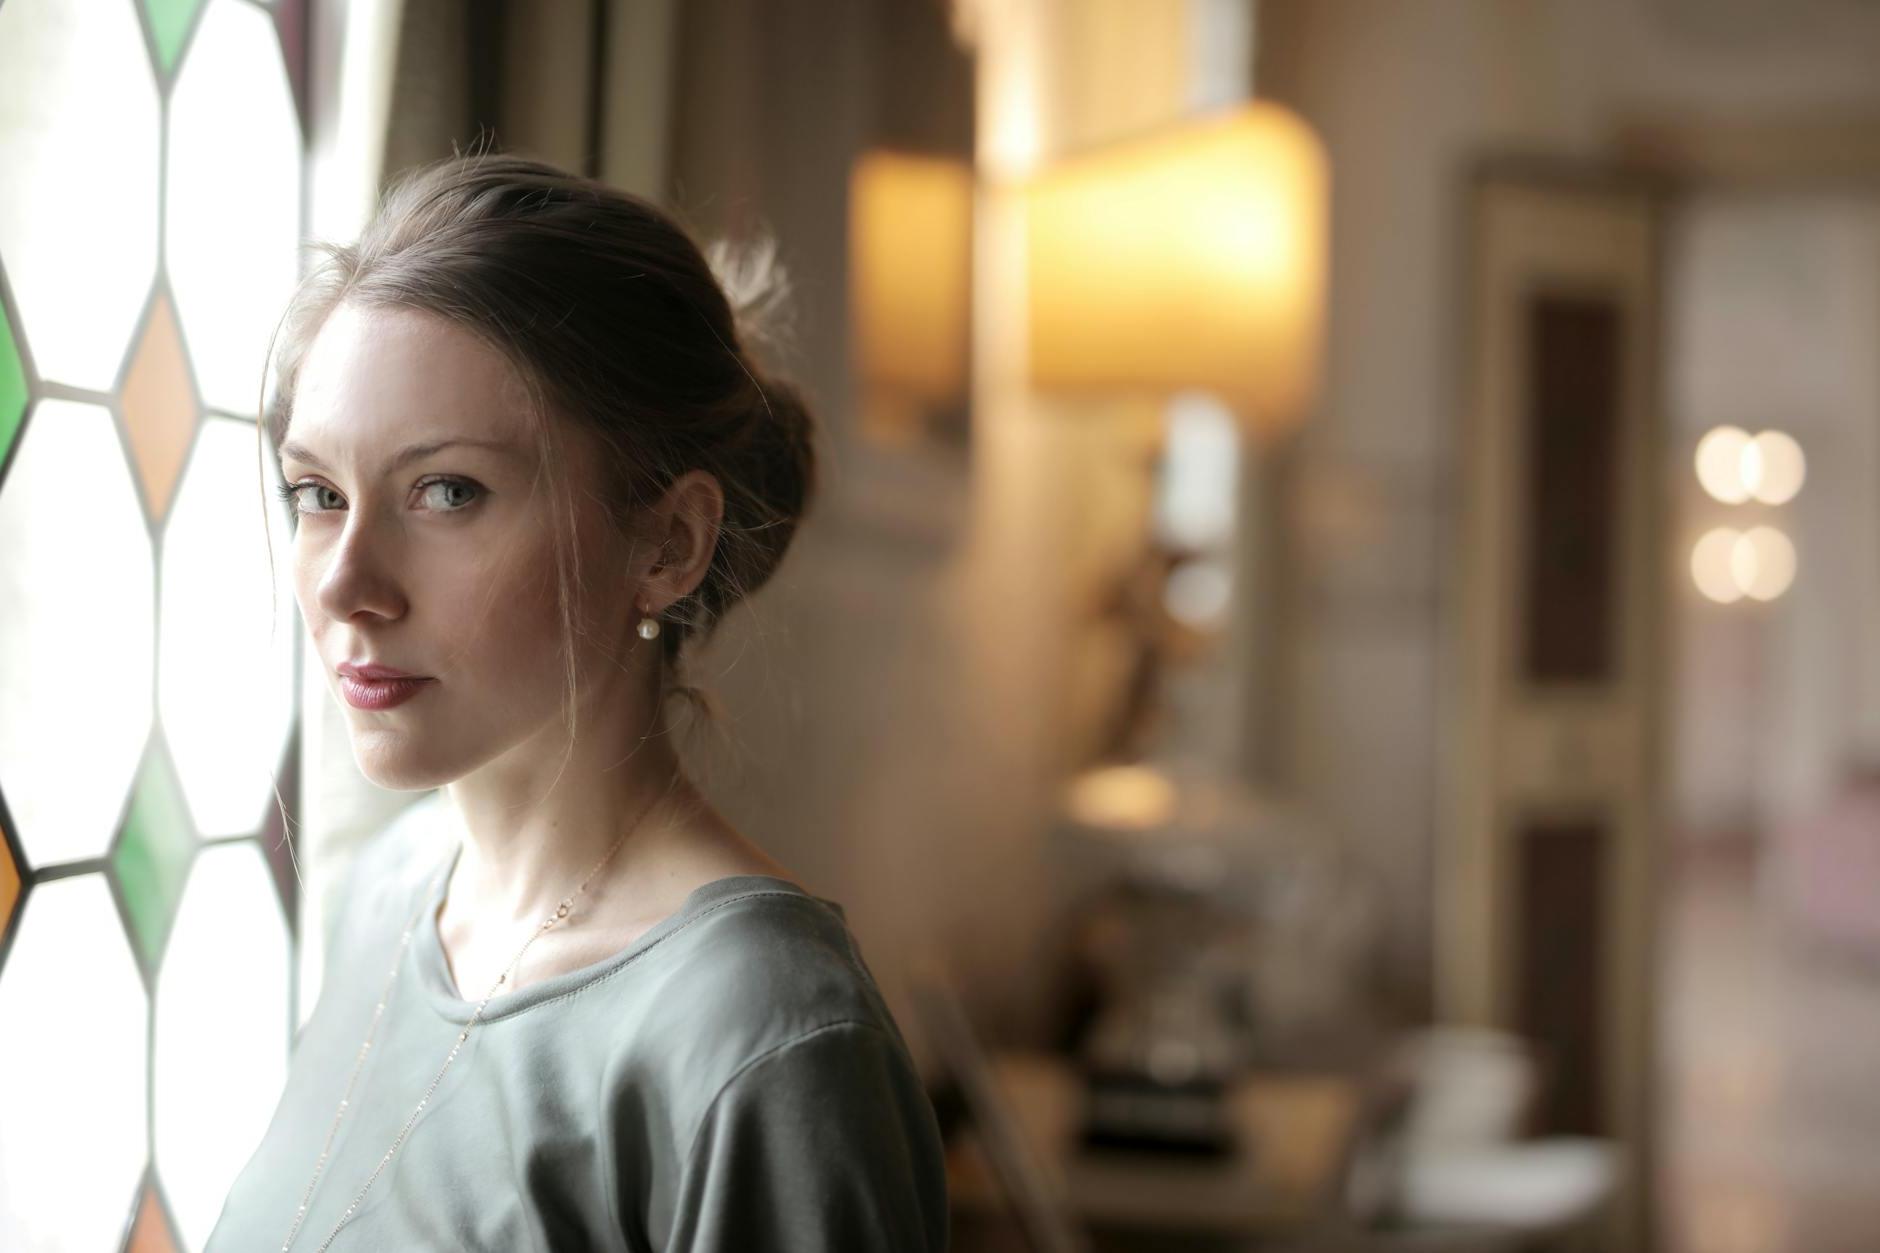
561,912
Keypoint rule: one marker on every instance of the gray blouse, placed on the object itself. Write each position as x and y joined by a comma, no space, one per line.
732,1080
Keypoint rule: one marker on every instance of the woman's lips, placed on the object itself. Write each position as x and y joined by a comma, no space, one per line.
378,693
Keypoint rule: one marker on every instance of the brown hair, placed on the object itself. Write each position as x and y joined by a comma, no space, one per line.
613,317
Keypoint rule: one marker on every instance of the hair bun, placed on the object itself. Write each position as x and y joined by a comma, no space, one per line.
783,454
757,286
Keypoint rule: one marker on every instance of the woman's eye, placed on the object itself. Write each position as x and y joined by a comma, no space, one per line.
443,495
300,494
450,495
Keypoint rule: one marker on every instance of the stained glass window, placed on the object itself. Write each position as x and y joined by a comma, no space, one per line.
216,1088
232,199
73,1026
217,620
148,242
80,146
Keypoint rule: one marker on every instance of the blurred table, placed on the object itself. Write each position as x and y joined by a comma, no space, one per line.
1293,1132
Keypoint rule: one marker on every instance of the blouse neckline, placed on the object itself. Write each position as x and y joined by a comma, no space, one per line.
440,989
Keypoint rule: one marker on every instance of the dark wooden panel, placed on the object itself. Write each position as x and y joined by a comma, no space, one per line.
1571,481
1560,968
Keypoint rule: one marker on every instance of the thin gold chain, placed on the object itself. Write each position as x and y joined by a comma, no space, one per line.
561,912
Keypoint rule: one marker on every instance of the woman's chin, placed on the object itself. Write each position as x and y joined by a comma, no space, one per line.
392,761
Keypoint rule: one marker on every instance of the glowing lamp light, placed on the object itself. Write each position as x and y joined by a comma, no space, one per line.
1735,467
910,274
1728,565
1122,798
1774,468
1720,464
1763,562
1712,569
1192,259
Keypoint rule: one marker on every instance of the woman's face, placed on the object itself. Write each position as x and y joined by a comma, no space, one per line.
426,546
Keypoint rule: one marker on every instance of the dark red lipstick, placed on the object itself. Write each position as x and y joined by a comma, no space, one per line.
367,685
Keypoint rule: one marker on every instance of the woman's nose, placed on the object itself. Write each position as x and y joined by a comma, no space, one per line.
361,575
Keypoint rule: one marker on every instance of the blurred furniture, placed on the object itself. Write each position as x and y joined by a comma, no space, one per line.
1210,929
1422,1152
1445,1158
1293,1134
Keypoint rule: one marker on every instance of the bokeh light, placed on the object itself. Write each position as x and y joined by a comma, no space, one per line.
1735,467
1763,562
1774,467
1720,464
1711,566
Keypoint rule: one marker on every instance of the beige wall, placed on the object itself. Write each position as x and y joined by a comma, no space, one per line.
933,613
1406,97
891,715
916,686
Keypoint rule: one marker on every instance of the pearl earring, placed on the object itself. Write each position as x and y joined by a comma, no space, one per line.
649,628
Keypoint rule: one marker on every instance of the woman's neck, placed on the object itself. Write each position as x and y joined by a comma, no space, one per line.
529,841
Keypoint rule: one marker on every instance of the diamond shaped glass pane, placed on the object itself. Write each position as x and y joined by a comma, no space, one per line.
232,258
152,1232
152,857
9,885
225,678
73,1021
159,406
12,387
169,22
76,638
221,1031
79,135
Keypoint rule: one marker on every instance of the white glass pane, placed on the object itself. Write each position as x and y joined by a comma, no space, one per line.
79,135
73,1021
233,199
76,633
221,1032
225,657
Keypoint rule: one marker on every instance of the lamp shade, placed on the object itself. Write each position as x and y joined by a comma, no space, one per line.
910,273
1192,259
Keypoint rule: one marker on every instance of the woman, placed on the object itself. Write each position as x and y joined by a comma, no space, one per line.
567,1004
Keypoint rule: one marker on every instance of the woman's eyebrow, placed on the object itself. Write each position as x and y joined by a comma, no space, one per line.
410,452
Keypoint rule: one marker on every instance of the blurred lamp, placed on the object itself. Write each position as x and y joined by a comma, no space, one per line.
1711,566
1720,464
1122,798
1736,467
1774,468
1192,259
1728,565
910,276
1763,562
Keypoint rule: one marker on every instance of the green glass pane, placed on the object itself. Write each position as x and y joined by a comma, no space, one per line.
152,858
12,387
169,22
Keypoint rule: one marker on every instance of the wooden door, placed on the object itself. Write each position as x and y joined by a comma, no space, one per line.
1547,844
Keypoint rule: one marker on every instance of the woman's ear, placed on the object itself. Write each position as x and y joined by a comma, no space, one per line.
683,527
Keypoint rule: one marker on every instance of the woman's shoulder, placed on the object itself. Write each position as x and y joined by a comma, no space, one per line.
755,960
755,1019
